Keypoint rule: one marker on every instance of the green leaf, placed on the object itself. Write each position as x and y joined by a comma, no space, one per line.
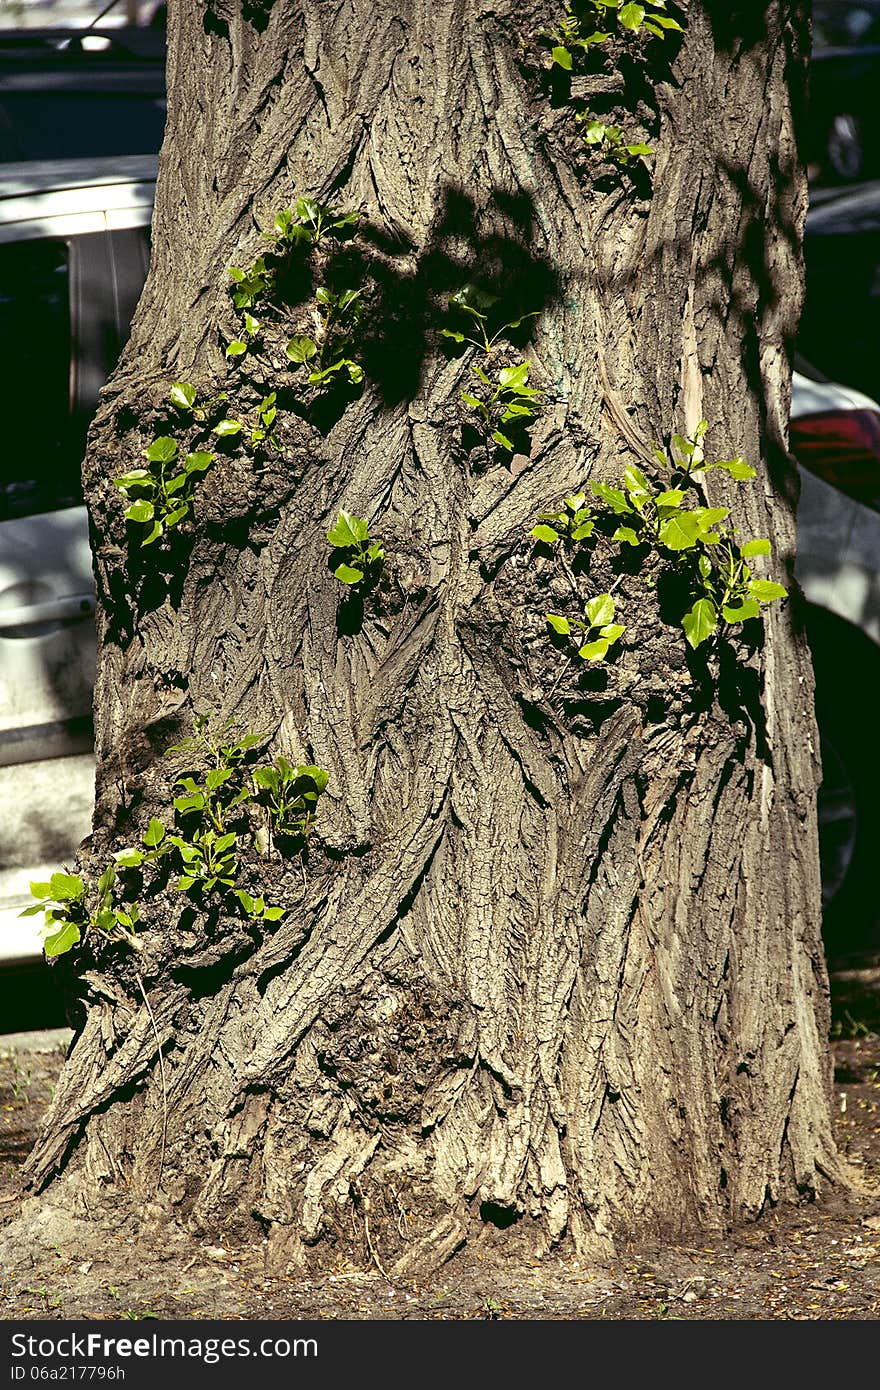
182,395
672,497
185,883
227,427
301,349
580,533
600,609
738,469
665,22
594,132
347,574
198,462
562,58
349,530
40,890
66,887
63,940
456,337
216,777
560,625
317,774
273,914
175,484
236,348
766,590
700,622
129,858
172,518
611,632
473,401
153,534
225,842
612,497
638,150
355,371
681,531
594,651
759,546
514,378
136,478
107,879
140,511
162,450
737,613
635,482
631,16
503,440
627,535
307,210
251,325
246,900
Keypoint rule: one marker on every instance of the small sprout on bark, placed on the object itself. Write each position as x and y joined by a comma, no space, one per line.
355,557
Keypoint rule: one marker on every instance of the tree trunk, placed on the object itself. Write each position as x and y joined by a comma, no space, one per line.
551,969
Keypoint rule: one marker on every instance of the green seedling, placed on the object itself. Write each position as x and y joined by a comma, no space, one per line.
337,317
574,523
579,31
290,795
477,304
262,432
355,556
163,491
730,594
64,904
184,397
250,285
599,631
250,331
507,400
611,141
154,845
208,859
307,222
658,516
256,909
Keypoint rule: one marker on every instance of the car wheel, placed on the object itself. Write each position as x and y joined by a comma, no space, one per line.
847,668
845,148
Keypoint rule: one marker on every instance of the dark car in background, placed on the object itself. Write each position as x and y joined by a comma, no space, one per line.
78,94
843,120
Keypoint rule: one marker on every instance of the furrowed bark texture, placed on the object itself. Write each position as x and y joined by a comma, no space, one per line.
552,971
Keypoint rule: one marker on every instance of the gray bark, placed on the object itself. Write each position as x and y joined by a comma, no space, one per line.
554,970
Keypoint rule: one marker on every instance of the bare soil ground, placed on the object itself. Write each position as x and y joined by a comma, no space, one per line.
817,1261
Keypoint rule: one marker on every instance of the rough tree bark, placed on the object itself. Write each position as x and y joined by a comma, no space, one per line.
553,969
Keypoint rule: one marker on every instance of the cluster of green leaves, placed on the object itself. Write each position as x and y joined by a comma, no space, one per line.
307,222
290,795
731,593
611,140
670,519
70,910
598,631
506,397
252,284
161,495
338,315
508,400
575,522
478,305
355,557
250,330
579,31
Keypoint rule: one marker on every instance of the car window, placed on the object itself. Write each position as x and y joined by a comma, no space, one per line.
42,442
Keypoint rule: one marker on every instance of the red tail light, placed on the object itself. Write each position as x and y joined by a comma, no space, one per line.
843,448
